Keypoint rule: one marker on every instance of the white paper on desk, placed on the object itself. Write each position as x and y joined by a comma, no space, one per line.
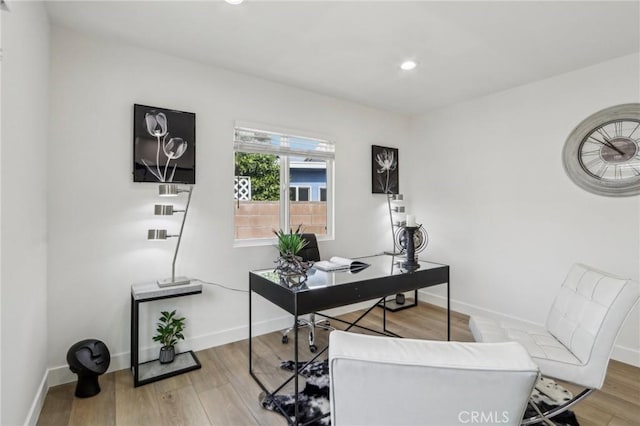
337,263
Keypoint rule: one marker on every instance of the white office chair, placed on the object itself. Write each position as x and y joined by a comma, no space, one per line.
393,381
581,328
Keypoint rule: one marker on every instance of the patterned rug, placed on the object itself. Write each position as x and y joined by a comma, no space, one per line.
313,400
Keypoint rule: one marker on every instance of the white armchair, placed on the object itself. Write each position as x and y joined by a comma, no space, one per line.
581,328
392,381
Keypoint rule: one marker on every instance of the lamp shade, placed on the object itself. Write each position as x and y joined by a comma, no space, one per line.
157,234
168,190
163,209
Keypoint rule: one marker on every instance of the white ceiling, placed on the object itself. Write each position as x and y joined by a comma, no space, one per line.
352,50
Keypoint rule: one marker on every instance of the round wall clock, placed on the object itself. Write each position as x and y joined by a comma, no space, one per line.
602,154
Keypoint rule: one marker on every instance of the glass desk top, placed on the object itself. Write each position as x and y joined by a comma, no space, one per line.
324,290
380,266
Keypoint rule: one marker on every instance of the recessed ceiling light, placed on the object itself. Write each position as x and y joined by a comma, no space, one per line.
234,1
408,65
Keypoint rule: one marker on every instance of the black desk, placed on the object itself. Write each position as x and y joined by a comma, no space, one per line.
326,290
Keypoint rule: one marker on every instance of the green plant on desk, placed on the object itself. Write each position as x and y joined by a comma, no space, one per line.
168,333
290,244
290,266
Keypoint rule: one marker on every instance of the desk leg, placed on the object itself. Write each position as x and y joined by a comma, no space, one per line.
251,373
250,350
448,311
384,313
295,362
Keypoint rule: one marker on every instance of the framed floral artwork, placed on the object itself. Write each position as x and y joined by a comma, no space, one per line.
384,170
164,145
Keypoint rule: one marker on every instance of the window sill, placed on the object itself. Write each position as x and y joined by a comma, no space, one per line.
254,242
258,242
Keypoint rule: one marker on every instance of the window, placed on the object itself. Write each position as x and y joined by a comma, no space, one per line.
299,193
303,193
282,181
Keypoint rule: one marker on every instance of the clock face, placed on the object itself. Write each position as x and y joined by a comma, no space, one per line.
602,154
611,152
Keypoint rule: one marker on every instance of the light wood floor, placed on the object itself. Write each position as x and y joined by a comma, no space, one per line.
223,392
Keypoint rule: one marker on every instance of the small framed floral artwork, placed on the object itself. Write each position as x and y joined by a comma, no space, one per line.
384,170
164,145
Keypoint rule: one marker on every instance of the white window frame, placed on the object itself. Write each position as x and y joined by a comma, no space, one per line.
284,154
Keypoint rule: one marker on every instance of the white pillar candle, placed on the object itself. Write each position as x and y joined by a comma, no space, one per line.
411,220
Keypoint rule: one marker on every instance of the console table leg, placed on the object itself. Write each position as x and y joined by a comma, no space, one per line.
131,335
448,313
135,320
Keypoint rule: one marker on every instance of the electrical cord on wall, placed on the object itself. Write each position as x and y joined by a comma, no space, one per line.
220,285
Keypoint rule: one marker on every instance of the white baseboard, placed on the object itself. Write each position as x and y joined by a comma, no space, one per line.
61,374
627,355
38,402
620,353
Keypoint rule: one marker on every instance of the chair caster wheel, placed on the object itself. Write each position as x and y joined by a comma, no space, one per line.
313,349
285,339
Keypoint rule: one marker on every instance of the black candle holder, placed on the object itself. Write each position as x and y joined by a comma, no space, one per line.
410,264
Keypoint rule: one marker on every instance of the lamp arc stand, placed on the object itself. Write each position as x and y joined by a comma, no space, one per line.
181,280
394,251
184,218
393,238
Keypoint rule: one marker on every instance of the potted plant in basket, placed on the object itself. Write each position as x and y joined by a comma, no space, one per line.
289,265
169,332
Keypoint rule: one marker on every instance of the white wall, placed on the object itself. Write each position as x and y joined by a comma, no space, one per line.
1,18
25,65
499,207
98,217
1,13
